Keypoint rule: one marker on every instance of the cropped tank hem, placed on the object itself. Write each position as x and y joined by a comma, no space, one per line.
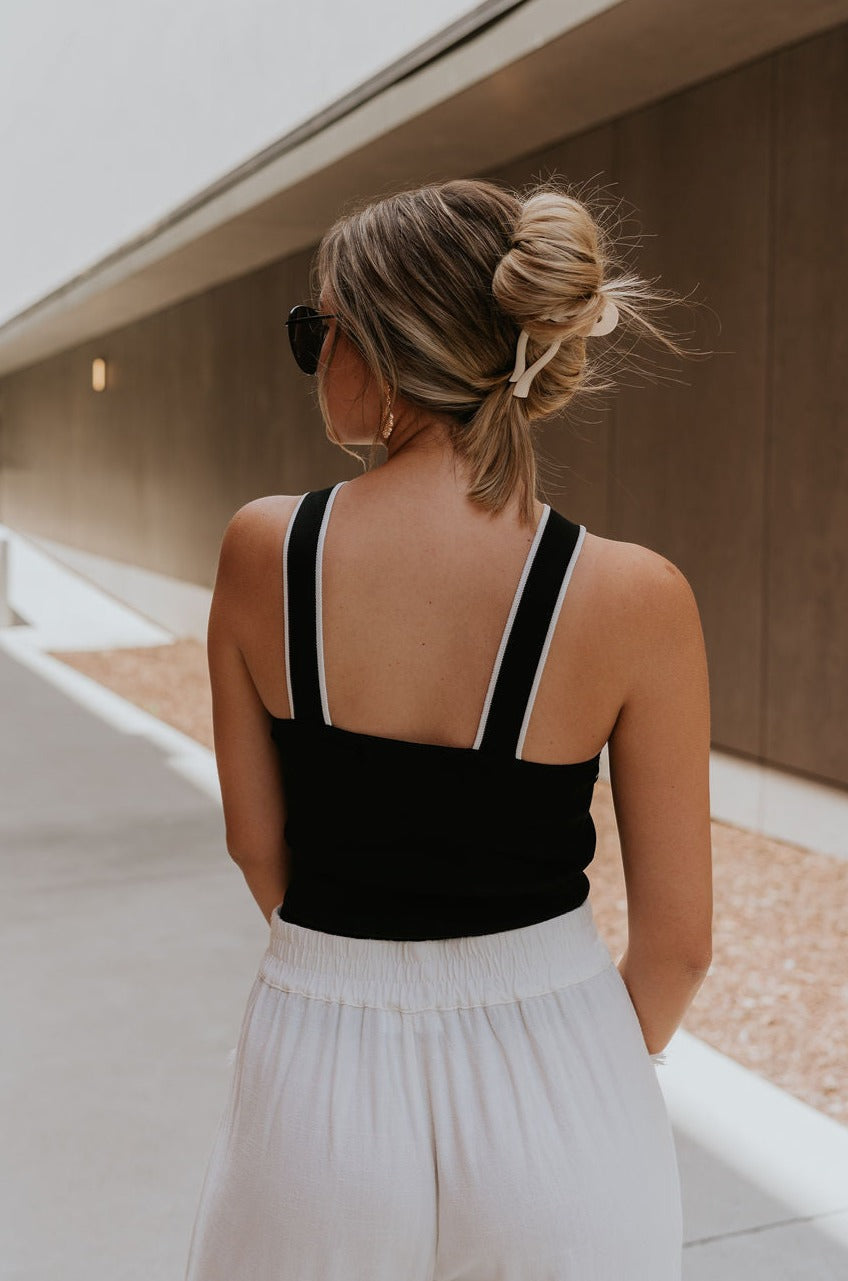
460,841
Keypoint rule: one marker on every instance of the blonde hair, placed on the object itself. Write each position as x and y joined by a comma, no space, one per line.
433,285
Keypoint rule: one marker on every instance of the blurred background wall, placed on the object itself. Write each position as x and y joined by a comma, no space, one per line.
173,242
112,114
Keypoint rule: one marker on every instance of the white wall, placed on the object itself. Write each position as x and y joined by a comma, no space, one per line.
112,112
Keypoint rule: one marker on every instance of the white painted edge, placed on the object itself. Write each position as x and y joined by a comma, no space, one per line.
182,606
775,1141
185,755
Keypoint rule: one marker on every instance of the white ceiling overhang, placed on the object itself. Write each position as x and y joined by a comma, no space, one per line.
508,80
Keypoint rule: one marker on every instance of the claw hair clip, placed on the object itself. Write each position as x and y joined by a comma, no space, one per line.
523,377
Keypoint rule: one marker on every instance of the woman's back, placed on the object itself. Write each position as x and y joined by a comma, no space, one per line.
471,831
417,587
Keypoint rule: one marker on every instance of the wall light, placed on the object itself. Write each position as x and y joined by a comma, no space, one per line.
98,374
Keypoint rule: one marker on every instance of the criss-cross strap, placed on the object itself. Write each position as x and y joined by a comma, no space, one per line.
302,603
522,659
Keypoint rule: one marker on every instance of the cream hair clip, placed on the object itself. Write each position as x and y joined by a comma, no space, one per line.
523,377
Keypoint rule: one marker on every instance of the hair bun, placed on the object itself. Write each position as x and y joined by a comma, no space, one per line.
549,281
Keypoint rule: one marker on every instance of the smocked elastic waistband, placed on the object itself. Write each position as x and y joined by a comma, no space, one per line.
425,974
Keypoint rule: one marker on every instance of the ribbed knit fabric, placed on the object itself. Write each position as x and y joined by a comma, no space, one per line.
465,840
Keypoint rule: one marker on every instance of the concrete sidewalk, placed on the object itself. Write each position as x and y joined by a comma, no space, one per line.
130,943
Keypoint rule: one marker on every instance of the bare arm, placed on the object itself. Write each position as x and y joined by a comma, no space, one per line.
248,767
659,772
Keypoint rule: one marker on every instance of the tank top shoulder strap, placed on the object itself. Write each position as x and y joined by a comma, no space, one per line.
525,647
301,604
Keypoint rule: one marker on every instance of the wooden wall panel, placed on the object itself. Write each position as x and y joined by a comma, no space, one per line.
807,586
687,472
204,410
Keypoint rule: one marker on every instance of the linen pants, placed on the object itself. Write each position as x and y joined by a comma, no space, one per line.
480,1108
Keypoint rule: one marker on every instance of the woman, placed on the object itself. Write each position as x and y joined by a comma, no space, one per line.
441,1073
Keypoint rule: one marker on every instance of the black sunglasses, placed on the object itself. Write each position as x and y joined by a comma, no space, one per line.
307,332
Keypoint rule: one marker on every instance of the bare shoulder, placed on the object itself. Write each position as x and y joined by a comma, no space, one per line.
644,612
250,551
640,586
633,566
257,519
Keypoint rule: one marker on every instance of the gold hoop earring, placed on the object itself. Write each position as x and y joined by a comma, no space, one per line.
388,422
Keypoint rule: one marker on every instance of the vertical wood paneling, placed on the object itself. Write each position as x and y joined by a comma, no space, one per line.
807,594
205,410
686,477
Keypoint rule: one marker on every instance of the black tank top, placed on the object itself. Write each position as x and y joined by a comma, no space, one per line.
395,839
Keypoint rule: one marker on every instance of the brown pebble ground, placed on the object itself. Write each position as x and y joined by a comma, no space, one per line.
776,997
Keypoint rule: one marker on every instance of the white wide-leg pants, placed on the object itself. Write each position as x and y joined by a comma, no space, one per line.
472,1109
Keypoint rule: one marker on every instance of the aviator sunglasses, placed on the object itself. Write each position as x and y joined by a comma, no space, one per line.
307,330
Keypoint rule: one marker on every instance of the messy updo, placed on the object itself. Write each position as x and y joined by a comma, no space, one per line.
433,287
